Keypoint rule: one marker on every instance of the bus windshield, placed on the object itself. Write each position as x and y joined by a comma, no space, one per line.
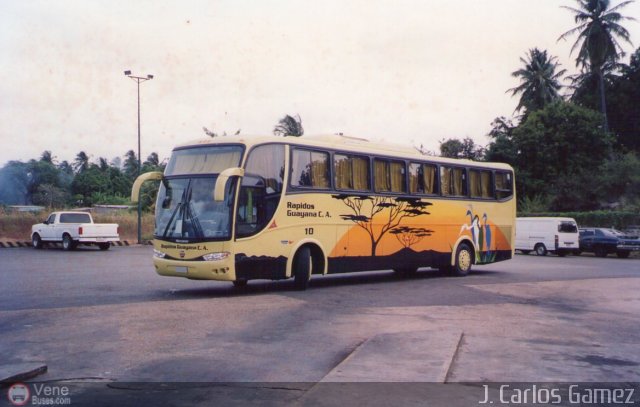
186,210
203,160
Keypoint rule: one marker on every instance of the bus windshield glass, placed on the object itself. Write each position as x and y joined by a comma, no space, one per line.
186,210
203,160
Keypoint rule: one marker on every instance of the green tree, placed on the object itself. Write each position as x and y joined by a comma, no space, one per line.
539,81
47,156
81,163
131,164
619,180
466,148
88,182
14,183
559,149
50,196
598,32
39,173
623,106
502,148
289,126
152,160
103,164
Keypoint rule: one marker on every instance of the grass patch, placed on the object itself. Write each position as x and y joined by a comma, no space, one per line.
16,226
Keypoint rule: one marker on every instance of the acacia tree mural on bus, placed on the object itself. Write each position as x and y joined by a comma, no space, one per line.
408,236
379,215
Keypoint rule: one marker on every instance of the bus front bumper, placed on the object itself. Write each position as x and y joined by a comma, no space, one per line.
222,270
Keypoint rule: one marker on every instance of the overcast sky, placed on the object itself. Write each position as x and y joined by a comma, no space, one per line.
414,72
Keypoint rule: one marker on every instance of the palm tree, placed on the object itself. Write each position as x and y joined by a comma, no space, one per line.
289,126
586,84
81,163
47,157
539,81
598,29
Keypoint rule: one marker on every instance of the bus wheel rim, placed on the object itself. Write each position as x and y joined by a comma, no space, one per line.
464,260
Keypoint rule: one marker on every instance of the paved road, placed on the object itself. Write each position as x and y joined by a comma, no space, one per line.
107,317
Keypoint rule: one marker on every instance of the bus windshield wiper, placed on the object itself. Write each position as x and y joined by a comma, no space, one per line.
171,225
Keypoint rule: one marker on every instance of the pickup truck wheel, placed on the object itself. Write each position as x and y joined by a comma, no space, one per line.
104,246
623,254
36,241
68,243
541,250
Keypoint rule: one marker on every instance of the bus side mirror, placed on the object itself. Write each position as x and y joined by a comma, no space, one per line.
221,182
147,176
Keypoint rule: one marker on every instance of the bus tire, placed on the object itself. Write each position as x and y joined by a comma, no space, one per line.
405,272
463,260
302,268
241,283
67,242
541,249
36,242
104,246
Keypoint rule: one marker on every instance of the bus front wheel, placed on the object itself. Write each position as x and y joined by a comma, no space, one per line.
302,268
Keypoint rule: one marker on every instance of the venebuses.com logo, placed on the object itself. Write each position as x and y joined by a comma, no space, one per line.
19,394
39,394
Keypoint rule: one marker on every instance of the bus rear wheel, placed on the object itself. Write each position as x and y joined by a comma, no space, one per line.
464,260
302,268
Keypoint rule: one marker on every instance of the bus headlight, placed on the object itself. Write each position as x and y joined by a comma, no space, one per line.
216,256
158,254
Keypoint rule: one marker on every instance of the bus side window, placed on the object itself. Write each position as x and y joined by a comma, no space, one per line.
453,181
389,176
480,184
351,172
310,169
261,188
422,178
504,185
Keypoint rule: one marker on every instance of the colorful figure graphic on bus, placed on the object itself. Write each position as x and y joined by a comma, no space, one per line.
481,236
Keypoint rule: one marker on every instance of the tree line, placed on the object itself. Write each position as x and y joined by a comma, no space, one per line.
574,146
50,183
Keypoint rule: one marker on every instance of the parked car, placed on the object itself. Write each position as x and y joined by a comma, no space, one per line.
603,241
72,229
547,234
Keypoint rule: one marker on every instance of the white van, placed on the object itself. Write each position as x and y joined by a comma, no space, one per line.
543,235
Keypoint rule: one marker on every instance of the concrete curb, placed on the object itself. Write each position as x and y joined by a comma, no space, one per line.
419,356
16,244
20,372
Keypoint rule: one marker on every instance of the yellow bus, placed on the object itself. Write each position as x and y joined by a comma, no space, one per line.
242,208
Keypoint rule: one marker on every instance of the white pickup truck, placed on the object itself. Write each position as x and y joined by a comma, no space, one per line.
72,229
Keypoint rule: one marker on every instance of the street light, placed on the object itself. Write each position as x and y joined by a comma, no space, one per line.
138,80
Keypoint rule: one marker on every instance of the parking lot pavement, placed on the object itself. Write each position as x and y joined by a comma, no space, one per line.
107,317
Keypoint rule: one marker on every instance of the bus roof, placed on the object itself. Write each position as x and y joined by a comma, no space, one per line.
341,143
